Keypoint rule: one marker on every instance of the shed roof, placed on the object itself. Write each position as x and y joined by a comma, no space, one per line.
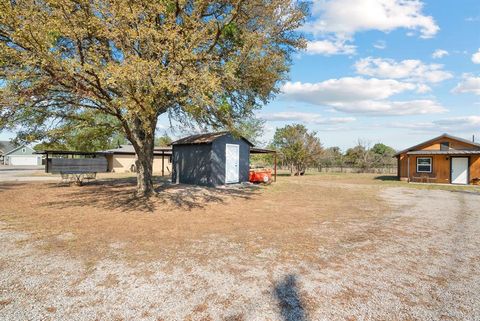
436,138
206,138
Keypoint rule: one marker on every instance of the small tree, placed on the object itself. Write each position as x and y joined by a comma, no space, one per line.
298,148
252,129
331,156
206,62
359,156
163,140
383,155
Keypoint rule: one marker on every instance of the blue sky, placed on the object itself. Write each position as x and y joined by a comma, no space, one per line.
391,71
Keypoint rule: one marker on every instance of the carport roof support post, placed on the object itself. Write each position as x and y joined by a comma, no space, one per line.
408,168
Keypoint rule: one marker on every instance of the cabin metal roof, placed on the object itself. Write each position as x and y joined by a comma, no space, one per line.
206,138
444,152
437,138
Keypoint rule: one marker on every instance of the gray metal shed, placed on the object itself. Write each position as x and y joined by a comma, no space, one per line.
211,159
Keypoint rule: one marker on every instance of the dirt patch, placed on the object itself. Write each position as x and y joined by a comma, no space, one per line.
104,220
306,248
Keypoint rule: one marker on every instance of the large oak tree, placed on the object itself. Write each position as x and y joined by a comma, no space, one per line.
199,61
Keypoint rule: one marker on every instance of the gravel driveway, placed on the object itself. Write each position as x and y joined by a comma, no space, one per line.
419,261
23,174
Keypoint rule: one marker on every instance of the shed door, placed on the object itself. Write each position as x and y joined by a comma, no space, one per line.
232,160
459,170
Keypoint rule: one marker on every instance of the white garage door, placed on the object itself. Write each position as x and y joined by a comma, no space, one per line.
23,160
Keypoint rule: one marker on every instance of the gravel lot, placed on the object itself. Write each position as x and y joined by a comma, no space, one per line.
407,254
10,173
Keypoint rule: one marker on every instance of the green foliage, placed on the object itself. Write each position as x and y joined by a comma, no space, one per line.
163,140
357,156
263,160
251,128
207,63
49,146
86,132
383,150
364,157
331,156
298,148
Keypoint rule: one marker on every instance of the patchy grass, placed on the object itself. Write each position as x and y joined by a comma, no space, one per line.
106,212
318,247
85,221
391,181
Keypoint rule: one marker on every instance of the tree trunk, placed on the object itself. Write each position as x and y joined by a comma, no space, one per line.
144,165
143,141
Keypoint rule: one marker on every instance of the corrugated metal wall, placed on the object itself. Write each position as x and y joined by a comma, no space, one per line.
93,165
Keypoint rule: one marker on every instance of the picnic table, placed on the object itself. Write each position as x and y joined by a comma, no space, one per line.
77,177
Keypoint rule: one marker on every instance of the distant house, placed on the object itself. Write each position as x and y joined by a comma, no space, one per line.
443,159
211,159
122,159
19,156
5,147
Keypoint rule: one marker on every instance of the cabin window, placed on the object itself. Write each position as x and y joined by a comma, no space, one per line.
445,146
23,150
424,165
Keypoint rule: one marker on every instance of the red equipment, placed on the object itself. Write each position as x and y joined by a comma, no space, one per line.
260,176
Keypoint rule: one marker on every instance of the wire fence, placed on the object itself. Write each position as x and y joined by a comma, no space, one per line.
392,170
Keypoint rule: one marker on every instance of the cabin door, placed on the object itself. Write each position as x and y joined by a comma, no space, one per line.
459,170
232,161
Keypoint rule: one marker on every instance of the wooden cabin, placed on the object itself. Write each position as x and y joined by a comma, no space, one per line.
445,159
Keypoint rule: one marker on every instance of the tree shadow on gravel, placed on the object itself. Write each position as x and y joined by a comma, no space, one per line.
287,294
10,185
119,194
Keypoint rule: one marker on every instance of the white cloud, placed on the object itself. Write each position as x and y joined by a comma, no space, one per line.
476,57
346,17
454,122
393,108
380,44
423,89
467,124
439,53
410,70
360,95
345,89
330,47
310,118
469,84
